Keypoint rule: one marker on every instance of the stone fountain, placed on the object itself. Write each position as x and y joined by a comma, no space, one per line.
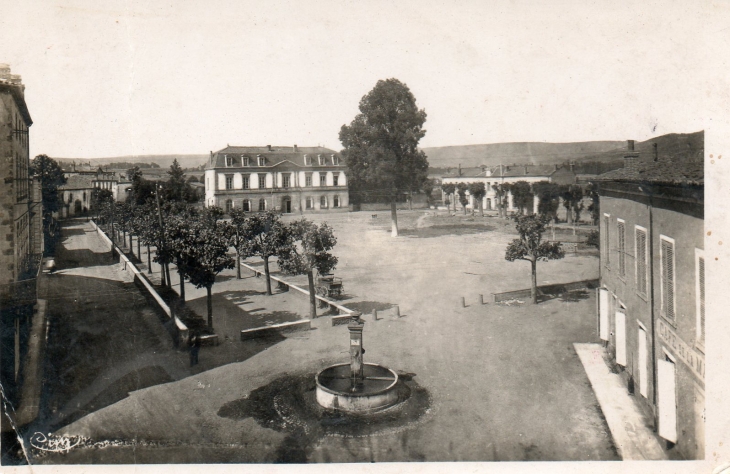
357,387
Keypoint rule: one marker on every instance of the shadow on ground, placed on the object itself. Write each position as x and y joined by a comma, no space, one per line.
366,307
446,229
288,404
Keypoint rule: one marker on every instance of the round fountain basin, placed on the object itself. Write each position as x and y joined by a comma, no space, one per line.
378,389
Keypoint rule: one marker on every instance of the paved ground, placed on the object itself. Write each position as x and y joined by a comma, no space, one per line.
502,383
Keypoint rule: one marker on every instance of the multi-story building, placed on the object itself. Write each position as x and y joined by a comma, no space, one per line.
21,244
287,179
503,174
651,301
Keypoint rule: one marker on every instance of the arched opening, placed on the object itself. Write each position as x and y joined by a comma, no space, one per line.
323,202
309,204
489,204
229,206
286,204
336,201
77,207
246,205
262,204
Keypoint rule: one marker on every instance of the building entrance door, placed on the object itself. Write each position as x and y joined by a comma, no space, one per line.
667,400
287,205
643,365
621,337
603,313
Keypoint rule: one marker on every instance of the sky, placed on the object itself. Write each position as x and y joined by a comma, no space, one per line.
132,77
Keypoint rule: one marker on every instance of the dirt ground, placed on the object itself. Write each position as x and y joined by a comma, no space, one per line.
493,382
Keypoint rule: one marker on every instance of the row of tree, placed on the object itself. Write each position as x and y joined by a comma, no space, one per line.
198,242
549,195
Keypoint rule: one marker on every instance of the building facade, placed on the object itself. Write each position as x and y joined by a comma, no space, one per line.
75,195
21,245
286,179
652,295
508,174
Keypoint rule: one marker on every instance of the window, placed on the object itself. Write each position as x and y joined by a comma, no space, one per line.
262,181
323,202
246,182
309,204
641,263
308,181
307,160
606,239
335,179
285,180
229,206
322,179
336,201
262,160
262,204
335,160
229,160
246,205
700,294
229,181
246,161
621,234
320,159
667,280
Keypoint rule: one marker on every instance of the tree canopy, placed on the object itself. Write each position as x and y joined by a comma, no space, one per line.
381,144
530,246
51,176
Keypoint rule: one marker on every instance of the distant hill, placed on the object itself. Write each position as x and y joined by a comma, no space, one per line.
186,161
684,146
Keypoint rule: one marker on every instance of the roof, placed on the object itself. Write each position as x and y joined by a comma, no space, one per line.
78,181
504,171
660,172
274,157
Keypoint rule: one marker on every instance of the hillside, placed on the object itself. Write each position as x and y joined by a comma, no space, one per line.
684,146
186,161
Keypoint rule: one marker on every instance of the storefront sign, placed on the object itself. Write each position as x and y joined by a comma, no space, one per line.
691,358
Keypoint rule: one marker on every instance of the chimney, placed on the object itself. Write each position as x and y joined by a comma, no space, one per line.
296,149
4,72
630,145
656,152
631,161
269,147
459,169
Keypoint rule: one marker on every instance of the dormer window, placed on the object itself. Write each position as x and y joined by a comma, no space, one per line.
307,160
246,161
261,160
320,159
229,160
335,160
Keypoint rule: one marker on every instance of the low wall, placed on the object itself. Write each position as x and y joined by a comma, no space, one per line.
181,334
544,290
334,307
276,329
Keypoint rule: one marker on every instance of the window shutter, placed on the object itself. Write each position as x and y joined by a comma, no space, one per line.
607,240
621,249
641,263
668,278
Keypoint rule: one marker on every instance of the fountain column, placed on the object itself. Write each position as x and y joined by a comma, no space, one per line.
356,350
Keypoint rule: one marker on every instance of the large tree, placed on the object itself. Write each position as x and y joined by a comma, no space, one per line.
461,189
381,144
573,202
478,191
204,250
530,246
449,189
177,188
309,251
548,198
51,176
594,207
500,193
236,232
522,197
265,236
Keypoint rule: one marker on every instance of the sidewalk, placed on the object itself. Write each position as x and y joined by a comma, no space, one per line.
633,439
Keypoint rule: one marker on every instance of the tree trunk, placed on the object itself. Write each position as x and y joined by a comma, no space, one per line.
139,249
268,277
312,298
131,244
533,290
167,275
182,286
393,219
149,260
210,307
238,265
569,216
481,207
463,207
